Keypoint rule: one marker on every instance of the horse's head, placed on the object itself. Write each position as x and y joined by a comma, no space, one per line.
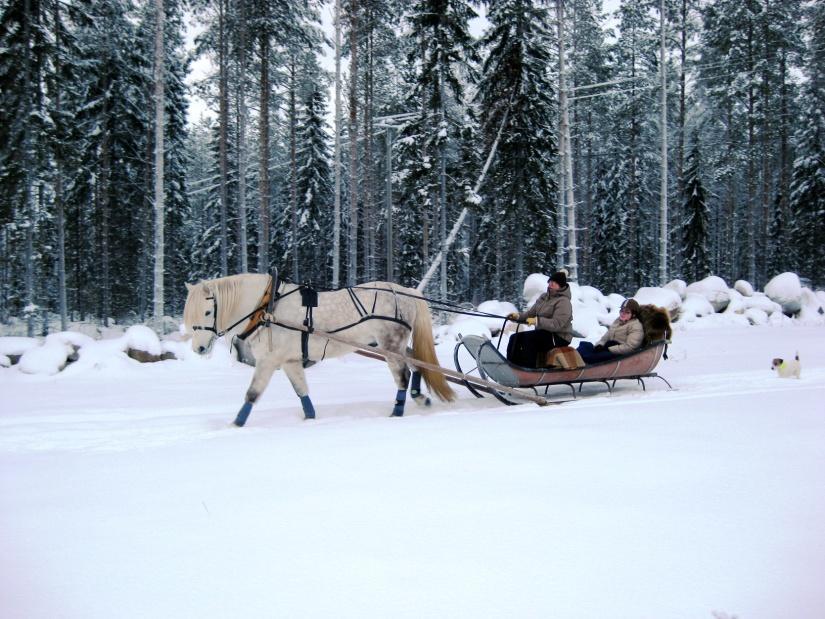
200,316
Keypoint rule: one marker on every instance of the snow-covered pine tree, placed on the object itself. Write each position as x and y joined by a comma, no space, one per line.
175,180
634,137
520,187
441,53
696,260
589,64
114,120
807,200
314,187
23,132
610,242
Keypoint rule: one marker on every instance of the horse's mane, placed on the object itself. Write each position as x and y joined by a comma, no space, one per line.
229,292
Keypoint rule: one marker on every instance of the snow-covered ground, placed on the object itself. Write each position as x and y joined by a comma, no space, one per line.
125,493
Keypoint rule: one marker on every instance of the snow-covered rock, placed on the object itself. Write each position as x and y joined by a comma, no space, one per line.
786,290
737,304
588,295
714,289
16,346
744,288
140,337
586,323
812,310
49,358
497,310
756,316
677,285
662,297
694,306
467,325
760,300
534,285
72,338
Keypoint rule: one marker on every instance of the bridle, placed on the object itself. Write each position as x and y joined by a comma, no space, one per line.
256,316
214,327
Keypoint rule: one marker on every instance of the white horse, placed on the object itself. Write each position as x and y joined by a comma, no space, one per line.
373,314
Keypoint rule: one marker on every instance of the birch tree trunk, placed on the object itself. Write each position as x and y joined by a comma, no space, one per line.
263,158
104,194
223,121
369,206
560,138
243,250
28,162
157,300
675,212
750,222
336,224
663,227
352,276
293,167
60,214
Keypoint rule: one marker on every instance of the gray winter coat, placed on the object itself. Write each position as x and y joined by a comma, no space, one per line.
629,335
553,312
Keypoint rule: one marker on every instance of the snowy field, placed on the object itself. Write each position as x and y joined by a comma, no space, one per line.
125,493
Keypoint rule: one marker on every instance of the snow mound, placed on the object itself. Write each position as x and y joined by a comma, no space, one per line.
466,326
744,288
714,289
47,359
71,338
661,297
493,323
678,286
756,316
786,290
534,285
694,306
5,362
17,345
811,310
140,337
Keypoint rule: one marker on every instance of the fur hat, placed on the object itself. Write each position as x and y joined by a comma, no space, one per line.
632,306
560,277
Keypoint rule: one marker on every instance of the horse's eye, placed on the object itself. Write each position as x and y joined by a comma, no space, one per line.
208,312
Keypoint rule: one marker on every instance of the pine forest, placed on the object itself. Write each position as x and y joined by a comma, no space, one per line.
341,141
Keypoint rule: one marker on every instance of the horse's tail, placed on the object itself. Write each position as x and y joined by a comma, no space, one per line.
424,350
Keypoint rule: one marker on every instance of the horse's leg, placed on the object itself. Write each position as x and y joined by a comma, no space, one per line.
415,390
401,375
263,372
294,370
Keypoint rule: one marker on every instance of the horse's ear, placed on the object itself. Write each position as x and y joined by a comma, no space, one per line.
207,291
189,287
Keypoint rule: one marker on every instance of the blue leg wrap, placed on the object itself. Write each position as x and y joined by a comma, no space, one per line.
415,384
243,414
400,399
309,410
415,388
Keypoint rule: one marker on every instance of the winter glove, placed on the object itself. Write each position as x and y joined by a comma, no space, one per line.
531,321
512,316
599,348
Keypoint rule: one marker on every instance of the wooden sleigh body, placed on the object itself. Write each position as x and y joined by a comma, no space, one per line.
491,365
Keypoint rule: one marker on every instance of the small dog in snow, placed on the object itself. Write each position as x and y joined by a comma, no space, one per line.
787,369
